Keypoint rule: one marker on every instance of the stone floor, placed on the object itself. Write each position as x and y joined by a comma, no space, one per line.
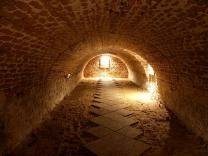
116,136
110,118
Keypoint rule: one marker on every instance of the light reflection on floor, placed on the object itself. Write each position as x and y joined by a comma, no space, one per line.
145,96
106,79
141,95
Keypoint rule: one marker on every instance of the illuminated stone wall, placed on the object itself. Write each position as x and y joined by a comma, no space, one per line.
117,69
43,40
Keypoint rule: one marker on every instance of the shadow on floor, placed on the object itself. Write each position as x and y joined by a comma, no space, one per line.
64,133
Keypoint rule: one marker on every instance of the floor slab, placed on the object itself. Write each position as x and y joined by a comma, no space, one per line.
130,132
124,112
101,105
98,111
115,106
117,117
99,131
109,123
117,145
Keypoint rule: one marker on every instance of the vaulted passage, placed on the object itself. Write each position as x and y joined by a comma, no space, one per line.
48,48
109,117
106,66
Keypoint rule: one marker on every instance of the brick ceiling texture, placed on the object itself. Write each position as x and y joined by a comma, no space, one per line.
169,34
39,38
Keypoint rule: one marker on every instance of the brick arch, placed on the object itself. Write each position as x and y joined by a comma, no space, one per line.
136,65
41,41
119,70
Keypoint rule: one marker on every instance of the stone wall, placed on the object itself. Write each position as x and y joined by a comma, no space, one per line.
117,68
42,40
22,114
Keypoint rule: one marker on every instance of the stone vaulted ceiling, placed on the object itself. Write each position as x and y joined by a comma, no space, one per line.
170,34
42,40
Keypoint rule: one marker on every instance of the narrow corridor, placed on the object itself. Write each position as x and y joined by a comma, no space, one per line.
107,118
56,54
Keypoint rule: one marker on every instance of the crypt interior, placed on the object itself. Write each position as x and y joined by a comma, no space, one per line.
103,77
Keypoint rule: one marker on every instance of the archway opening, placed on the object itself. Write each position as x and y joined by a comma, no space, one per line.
106,66
132,68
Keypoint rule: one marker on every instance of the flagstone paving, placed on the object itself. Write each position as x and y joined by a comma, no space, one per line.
80,127
115,144
98,111
116,137
99,131
130,132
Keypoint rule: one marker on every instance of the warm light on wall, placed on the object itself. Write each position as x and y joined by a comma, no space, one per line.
150,70
151,87
105,61
68,76
150,95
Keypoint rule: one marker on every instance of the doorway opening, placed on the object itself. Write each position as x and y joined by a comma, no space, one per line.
106,66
